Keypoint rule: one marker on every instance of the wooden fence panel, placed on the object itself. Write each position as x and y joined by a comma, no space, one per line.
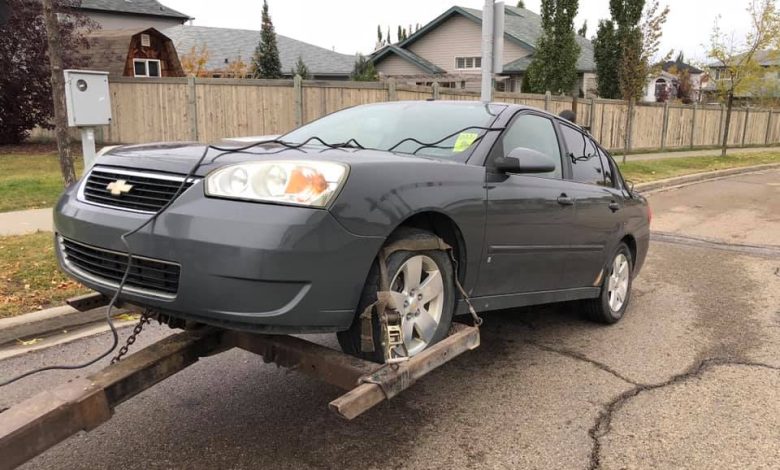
175,109
648,127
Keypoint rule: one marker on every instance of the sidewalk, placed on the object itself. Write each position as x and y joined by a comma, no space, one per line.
22,222
618,155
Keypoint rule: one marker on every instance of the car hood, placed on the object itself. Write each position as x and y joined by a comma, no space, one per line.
179,158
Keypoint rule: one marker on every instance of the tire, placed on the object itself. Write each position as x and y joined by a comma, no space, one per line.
423,334
610,305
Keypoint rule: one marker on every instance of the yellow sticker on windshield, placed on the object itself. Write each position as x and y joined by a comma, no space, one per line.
465,139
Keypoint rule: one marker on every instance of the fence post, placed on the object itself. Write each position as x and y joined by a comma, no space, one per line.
721,124
298,97
436,93
693,123
547,98
392,91
768,126
591,114
192,101
665,129
745,128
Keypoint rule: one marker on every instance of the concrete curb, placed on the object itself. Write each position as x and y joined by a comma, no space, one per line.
680,181
46,321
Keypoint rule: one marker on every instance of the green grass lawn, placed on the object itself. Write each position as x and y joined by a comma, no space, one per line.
31,180
651,170
29,277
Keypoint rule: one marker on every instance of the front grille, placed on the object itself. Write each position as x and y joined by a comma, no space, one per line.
147,276
144,192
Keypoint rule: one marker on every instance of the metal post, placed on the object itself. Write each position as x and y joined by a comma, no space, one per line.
487,52
298,97
88,146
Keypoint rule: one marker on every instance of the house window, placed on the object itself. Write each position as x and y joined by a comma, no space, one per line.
465,63
146,68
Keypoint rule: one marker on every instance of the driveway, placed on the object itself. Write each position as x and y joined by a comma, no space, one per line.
689,379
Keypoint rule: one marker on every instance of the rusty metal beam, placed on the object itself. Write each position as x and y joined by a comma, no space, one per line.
331,366
389,381
31,427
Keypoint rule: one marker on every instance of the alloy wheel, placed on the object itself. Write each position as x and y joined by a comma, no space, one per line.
617,286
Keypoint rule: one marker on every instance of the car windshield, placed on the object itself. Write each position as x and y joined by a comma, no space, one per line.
386,126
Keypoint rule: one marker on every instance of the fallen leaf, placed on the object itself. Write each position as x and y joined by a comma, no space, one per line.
126,317
29,342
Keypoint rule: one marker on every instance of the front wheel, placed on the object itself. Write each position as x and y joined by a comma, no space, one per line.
422,285
611,304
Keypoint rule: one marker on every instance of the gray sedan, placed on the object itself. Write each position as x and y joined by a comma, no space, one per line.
516,206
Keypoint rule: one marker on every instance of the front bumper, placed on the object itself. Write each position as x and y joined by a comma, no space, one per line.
246,266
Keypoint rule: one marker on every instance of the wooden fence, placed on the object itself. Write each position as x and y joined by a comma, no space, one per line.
151,110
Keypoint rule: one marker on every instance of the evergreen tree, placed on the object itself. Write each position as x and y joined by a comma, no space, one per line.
266,63
379,39
364,70
520,4
554,64
301,69
606,52
389,38
583,31
400,33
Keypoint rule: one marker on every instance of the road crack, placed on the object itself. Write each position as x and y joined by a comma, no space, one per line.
581,357
603,424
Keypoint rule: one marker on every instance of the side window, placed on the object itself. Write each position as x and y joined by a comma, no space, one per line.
536,133
585,161
609,173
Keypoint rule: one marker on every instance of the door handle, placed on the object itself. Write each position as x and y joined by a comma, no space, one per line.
565,200
614,206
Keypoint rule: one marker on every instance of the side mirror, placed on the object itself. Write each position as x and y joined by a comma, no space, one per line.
524,160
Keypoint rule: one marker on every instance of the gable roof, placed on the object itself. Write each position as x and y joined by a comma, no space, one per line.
521,26
225,45
132,7
765,58
410,57
681,66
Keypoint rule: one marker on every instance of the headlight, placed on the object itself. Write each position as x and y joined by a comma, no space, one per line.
308,183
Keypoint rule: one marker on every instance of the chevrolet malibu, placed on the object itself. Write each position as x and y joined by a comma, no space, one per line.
285,235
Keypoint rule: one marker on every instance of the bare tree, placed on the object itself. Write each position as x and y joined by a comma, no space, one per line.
737,59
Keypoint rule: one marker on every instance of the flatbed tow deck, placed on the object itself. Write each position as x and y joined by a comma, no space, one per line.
38,423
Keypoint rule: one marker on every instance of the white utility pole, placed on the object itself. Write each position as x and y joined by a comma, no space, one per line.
492,45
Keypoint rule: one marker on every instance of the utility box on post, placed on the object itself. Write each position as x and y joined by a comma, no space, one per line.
88,101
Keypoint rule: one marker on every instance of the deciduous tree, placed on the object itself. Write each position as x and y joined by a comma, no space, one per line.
266,63
26,98
195,61
738,68
554,64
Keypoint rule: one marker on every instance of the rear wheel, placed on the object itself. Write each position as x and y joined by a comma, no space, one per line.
422,286
611,304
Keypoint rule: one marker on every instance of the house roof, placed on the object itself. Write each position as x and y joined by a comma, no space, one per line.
681,66
410,57
132,7
763,58
108,49
521,26
225,45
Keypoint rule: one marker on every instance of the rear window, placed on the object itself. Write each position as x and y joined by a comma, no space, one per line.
404,127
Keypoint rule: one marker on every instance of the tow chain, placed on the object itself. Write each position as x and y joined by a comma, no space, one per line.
146,318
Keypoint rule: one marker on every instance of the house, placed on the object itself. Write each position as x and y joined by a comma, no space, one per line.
663,85
146,53
224,47
131,14
448,50
767,87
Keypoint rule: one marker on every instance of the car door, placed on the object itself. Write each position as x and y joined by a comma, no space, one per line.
528,216
597,205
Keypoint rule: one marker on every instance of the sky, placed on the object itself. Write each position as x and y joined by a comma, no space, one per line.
349,26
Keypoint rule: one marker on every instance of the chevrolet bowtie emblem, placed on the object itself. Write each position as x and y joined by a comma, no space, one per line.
119,187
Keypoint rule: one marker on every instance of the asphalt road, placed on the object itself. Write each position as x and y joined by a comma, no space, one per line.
689,379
